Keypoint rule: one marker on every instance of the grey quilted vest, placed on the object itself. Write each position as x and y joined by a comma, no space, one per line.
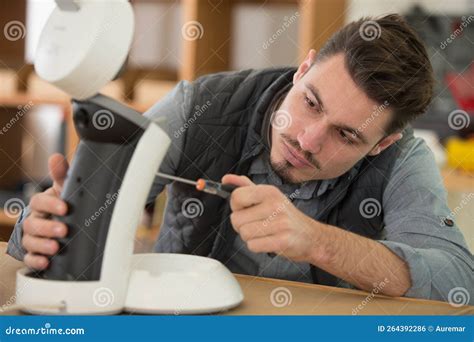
225,139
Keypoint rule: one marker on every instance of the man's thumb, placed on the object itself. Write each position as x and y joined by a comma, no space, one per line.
58,167
236,180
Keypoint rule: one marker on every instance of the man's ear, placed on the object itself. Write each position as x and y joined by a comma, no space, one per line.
305,65
385,143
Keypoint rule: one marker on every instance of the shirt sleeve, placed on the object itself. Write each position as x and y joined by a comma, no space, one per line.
14,247
170,114
421,229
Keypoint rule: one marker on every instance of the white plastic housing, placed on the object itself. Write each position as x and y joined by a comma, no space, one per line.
109,293
80,51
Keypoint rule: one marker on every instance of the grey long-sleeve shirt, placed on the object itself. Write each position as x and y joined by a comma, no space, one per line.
414,209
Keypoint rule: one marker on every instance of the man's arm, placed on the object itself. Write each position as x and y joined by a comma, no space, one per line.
422,252
269,223
363,262
421,229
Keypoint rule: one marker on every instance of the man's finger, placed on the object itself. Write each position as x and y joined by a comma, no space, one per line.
236,180
247,196
266,244
44,228
35,244
256,230
261,212
48,204
58,167
36,261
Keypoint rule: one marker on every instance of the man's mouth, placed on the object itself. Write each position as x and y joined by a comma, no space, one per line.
294,157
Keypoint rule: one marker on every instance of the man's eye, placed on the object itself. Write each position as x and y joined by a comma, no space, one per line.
346,137
311,104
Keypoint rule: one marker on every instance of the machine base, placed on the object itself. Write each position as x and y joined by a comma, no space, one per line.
158,284
180,284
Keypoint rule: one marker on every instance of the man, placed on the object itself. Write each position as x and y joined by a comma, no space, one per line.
333,187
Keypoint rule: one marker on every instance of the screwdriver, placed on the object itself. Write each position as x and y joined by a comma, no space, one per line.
206,185
211,187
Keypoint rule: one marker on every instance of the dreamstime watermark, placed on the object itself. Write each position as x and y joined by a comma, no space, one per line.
6,306
369,208
280,208
192,208
14,30
458,119
280,119
192,30
198,111
287,22
46,330
377,288
12,300
110,199
102,297
22,110
13,207
458,208
103,119
281,297
377,110
370,30
457,32
458,296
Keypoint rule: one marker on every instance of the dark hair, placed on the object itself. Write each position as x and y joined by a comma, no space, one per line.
388,61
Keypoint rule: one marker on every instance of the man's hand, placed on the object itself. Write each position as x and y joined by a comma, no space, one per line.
268,222
39,231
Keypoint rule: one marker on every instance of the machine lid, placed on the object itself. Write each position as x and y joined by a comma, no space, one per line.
84,45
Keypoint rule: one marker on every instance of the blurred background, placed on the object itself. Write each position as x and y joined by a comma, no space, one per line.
185,39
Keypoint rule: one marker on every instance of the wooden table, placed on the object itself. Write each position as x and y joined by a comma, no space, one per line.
265,296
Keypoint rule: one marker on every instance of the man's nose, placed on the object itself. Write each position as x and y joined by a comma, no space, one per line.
311,138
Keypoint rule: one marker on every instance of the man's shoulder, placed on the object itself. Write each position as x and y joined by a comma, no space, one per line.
414,153
409,160
410,152
415,168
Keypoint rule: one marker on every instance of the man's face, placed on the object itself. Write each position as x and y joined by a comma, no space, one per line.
325,124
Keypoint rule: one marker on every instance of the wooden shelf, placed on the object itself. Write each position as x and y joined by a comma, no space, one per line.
6,220
319,20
